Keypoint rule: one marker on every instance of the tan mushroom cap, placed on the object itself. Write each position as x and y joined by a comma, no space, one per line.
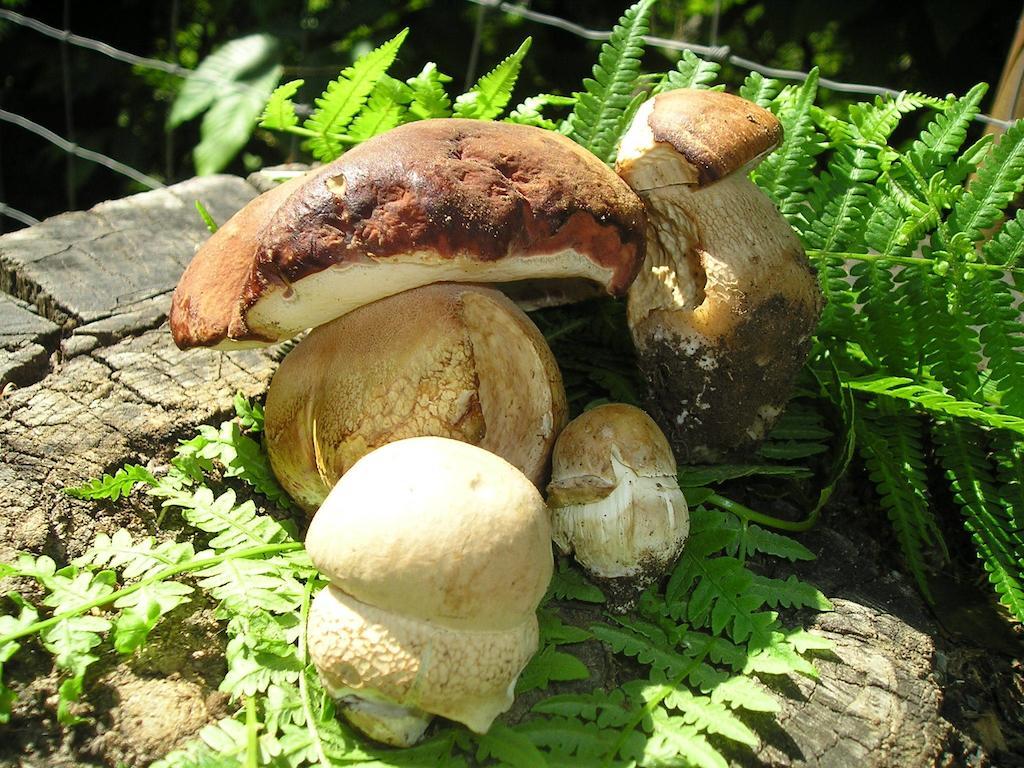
715,133
583,462
449,360
438,530
464,675
431,201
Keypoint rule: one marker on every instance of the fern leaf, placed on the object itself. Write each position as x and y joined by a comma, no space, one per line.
876,122
759,89
569,584
279,114
947,132
385,109
608,710
1007,247
550,664
234,526
789,593
584,742
890,441
113,487
346,95
603,110
531,111
1009,458
743,692
929,398
752,539
429,98
991,306
875,287
673,742
840,205
141,610
970,476
709,716
135,559
999,180
247,585
786,174
691,72
658,653
491,93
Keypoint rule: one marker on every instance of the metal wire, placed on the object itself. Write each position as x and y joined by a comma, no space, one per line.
719,53
14,213
77,151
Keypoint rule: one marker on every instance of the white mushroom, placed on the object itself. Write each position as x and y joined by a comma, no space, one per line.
438,553
723,309
448,360
615,500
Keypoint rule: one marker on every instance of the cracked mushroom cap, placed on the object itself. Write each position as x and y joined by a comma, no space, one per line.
448,360
438,554
725,304
430,201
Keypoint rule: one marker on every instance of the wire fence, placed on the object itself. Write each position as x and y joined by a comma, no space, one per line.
713,52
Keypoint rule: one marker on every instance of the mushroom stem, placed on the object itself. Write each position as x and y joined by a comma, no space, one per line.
384,721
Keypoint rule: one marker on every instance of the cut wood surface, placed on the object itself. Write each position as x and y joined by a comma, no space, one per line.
99,383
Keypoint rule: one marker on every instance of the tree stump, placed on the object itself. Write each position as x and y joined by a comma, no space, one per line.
93,381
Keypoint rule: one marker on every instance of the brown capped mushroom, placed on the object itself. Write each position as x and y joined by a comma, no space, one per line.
438,554
723,309
448,360
432,201
615,500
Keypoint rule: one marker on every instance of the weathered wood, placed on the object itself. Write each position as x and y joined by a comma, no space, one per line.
83,266
25,342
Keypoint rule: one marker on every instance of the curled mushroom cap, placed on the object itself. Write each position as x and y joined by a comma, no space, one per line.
448,360
438,553
432,201
723,309
615,500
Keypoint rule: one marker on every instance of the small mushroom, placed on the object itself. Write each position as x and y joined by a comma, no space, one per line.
448,360
615,500
723,309
438,554
447,200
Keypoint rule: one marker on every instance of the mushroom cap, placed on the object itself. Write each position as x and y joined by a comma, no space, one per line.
588,448
434,200
449,360
438,530
464,675
715,132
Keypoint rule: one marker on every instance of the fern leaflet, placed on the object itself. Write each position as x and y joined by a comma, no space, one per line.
488,98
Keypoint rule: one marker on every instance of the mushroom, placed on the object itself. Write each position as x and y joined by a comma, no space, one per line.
448,360
723,309
615,500
438,554
431,201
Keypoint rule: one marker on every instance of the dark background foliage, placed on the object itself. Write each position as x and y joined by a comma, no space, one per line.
932,46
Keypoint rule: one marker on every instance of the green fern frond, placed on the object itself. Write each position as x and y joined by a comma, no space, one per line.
889,438
1009,459
279,114
691,72
673,742
709,716
876,122
605,107
489,96
839,202
970,476
946,133
113,487
1007,247
929,397
429,98
345,96
531,111
786,174
992,307
999,180
385,108
134,558
760,89
875,285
